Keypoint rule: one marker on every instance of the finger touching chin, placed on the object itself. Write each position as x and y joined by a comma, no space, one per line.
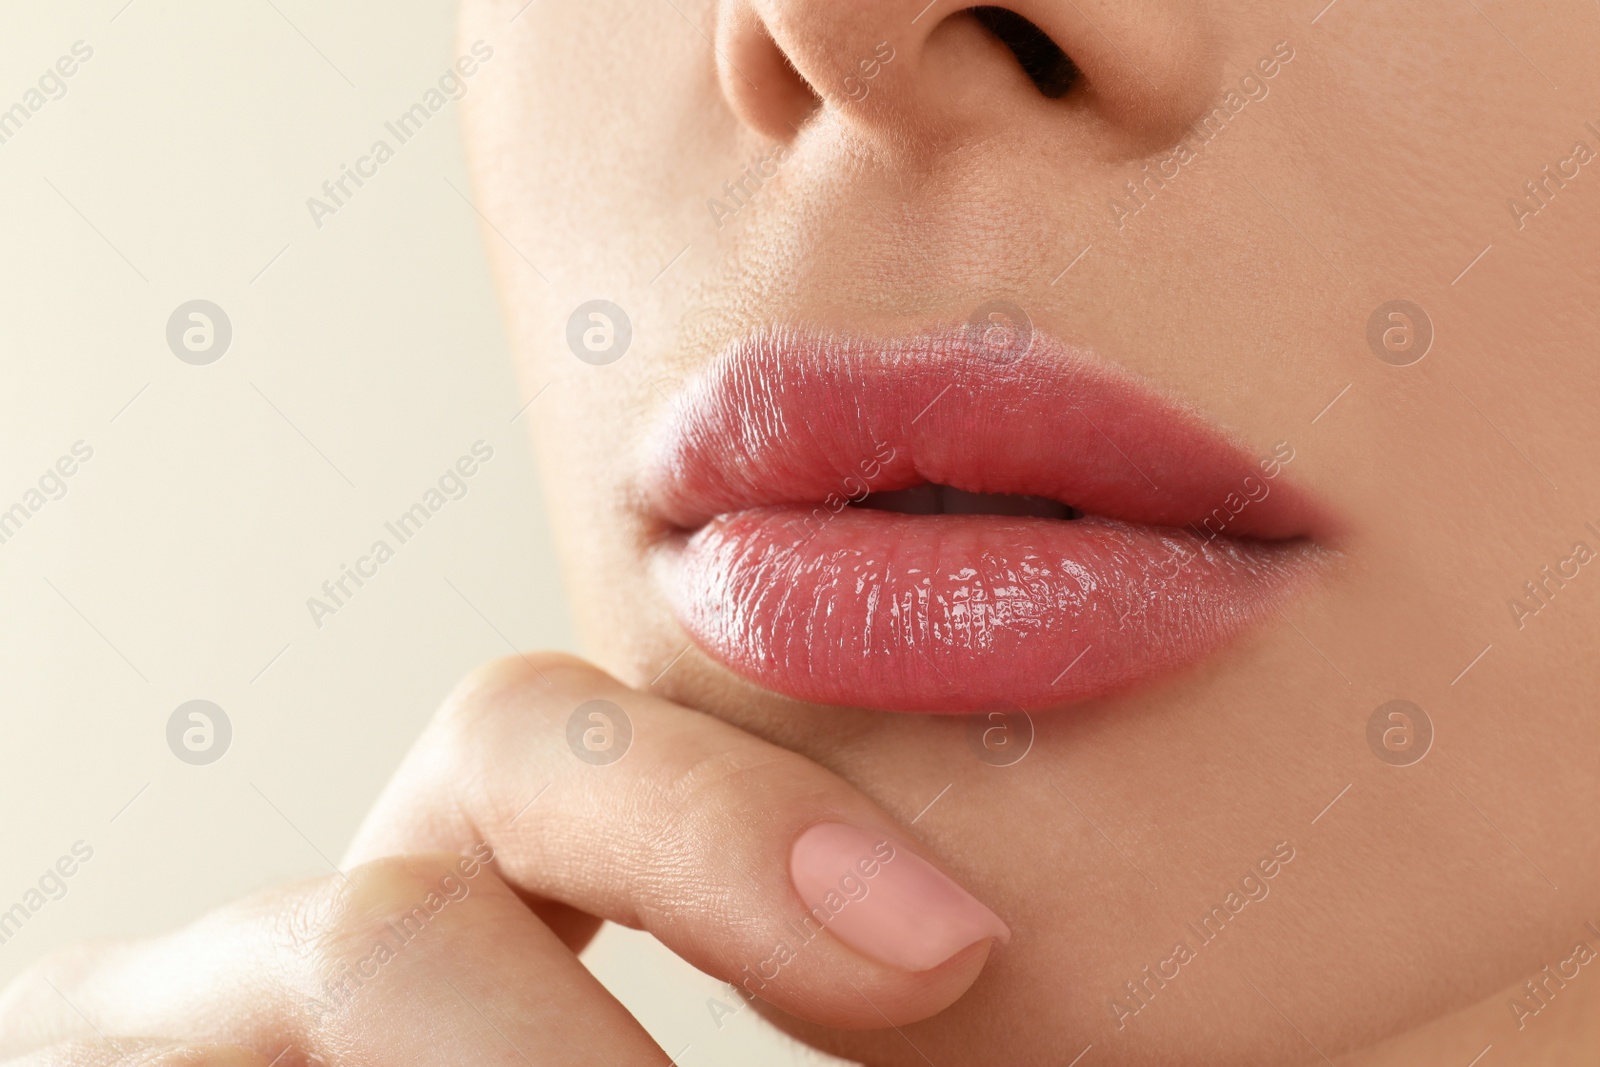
753,863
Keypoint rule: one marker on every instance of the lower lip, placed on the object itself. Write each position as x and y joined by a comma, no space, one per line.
964,613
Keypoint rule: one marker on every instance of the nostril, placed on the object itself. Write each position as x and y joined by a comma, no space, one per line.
758,78
1045,64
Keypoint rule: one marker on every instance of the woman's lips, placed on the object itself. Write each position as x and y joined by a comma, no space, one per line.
776,570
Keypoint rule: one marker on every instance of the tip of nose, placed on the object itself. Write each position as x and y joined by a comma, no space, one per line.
894,65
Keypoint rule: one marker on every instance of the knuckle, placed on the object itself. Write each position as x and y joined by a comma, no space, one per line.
539,672
363,922
513,684
347,922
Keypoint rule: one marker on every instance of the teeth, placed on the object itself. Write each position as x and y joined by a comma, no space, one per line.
944,500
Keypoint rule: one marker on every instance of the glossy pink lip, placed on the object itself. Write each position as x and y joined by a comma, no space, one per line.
1185,538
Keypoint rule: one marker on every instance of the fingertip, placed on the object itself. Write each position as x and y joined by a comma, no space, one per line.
877,998
885,901
925,993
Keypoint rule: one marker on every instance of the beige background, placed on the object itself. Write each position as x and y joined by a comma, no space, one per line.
367,355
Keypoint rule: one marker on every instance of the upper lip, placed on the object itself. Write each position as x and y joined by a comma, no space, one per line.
790,416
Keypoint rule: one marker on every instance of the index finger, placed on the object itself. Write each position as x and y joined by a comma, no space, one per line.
754,864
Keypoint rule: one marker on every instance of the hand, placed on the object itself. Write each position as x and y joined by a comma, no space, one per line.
490,859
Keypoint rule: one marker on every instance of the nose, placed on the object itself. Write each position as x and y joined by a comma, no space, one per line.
919,72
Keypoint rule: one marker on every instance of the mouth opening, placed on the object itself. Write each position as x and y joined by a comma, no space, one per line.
933,499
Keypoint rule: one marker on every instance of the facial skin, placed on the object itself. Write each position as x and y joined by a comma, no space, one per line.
1374,165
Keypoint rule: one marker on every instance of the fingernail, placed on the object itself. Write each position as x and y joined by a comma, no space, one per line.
882,900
